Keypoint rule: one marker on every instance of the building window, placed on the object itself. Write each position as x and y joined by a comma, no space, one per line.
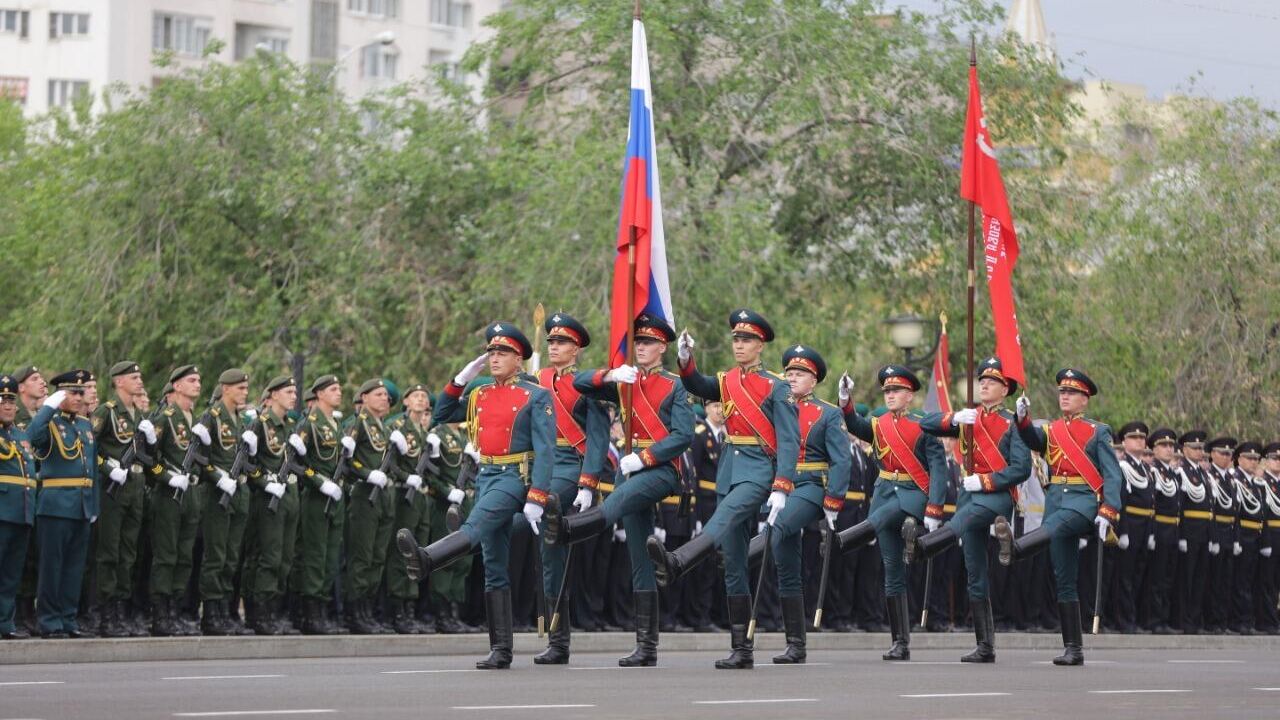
68,24
15,22
444,60
451,13
378,61
249,38
324,30
63,92
183,34
379,8
14,89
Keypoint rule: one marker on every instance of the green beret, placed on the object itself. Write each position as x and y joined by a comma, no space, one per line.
124,367
322,382
217,395
419,387
182,371
24,373
862,409
168,388
370,385
393,391
234,376
278,382
309,396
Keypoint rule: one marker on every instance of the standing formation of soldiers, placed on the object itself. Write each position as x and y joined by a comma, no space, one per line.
618,487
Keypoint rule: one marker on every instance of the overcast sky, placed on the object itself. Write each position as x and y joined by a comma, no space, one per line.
1234,44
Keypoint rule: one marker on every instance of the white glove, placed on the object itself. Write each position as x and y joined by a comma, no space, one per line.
584,499
414,481
348,445
625,374
972,483
844,390
684,347
931,523
967,416
619,535
1083,543
661,534
252,413
179,482
1103,525
456,496
118,475
777,500
251,440
630,463
471,371
148,431
533,513
831,517
1023,406
1151,542
330,488
397,439
93,519
226,484
1236,549
1265,552
433,442
759,527
1182,546
202,432
56,399
295,441
1214,548
697,528
471,452
1124,541
377,477
275,488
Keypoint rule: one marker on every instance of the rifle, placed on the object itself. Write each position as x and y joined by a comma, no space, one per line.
290,466
136,452
239,466
340,472
193,458
388,459
423,467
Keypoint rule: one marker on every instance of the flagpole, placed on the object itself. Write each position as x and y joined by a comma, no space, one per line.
968,429
629,406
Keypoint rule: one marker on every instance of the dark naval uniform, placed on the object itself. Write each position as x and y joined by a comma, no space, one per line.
1268,590
661,430
764,433
17,510
1001,462
1250,491
1222,537
1162,563
1084,484
321,515
67,504
1195,498
1136,526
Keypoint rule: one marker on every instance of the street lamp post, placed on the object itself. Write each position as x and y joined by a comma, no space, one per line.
384,38
907,332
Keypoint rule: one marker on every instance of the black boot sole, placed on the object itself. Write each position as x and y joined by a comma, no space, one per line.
407,545
1004,536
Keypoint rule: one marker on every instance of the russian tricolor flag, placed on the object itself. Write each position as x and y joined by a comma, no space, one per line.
641,209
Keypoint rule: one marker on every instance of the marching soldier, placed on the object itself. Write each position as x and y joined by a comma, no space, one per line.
822,477
662,427
1222,536
1136,526
512,425
175,509
1084,490
1268,619
1163,542
1194,531
762,428
369,509
273,532
321,516
1001,462
67,503
1250,497
912,485
114,425
17,506
410,503
223,521
582,438
456,466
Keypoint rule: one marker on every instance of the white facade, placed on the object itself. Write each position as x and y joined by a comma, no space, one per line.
51,50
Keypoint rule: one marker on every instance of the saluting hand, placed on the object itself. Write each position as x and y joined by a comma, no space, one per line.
844,390
1023,406
684,347
471,371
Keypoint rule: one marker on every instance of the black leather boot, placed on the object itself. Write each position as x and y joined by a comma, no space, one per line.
910,531
793,626
313,622
1069,612
755,550
742,656
497,606
212,621
851,539
557,652
931,544
984,629
266,619
669,566
420,561
577,527
646,652
899,628
162,617
112,620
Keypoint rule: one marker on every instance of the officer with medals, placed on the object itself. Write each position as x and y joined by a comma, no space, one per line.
1136,527
1194,530
582,439
662,428
1268,618
67,502
1084,490
822,477
512,424
1162,546
1222,536
17,506
1001,462
1250,497
114,424
763,430
409,500
912,485
322,513
369,508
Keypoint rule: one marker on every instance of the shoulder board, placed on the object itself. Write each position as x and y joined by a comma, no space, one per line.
774,374
915,415
824,404
699,427
168,410
363,417
313,417
110,403
215,411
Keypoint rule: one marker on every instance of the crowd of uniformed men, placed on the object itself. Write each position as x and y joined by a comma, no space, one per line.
519,501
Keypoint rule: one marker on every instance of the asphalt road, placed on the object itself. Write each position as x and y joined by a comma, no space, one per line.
835,684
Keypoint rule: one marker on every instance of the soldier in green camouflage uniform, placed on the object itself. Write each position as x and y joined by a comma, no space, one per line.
369,512
321,517
449,584
409,499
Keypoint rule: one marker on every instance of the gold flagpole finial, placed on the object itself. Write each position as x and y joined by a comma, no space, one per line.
942,318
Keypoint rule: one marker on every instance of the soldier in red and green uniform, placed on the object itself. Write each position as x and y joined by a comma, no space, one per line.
1083,492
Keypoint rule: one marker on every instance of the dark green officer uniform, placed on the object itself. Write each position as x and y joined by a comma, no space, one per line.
369,516
222,525
67,504
321,519
17,510
408,496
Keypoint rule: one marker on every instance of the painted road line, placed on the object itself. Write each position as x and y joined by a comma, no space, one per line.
957,695
1206,662
1136,692
616,667
33,682
243,713
429,672
517,707
221,677
754,702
